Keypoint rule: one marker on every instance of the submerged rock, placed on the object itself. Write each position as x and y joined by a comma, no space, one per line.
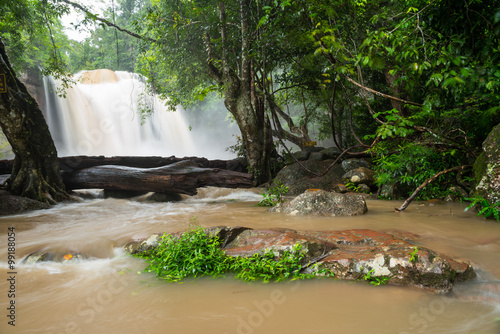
53,256
324,203
349,254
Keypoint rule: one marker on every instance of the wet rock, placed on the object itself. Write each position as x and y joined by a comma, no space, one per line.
52,256
331,153
389,256
10,204
314,149
165,197
350,164
360,175
298,180
363,188
324,203
351,254
340,188
144,245
318,156
225,233
487,168
278,241
300,156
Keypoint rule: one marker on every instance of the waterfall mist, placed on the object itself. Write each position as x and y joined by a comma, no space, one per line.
112,113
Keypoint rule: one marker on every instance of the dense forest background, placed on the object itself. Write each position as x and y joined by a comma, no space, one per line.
414,84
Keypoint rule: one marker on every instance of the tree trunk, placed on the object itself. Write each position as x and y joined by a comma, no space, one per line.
183,177
35,173
83,161
247,108
255,130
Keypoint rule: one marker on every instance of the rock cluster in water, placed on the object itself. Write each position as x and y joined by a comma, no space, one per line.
349,254
298,178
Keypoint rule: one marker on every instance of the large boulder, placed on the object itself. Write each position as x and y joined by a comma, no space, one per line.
363,255
10,205
298,180
324,203
487,168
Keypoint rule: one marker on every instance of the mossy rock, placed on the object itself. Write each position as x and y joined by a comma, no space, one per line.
487,168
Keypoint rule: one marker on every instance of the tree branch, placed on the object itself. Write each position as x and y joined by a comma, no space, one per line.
381,94
426,183
108,23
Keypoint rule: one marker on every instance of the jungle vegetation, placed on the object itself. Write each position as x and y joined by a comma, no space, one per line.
414,84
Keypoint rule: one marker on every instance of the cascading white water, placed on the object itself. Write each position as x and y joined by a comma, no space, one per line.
100,115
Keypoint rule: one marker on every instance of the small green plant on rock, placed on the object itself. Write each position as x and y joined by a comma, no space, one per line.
267,267
352,187
274,195
487,209
413,254
375,280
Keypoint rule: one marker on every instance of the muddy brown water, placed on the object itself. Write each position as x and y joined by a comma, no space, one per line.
106,294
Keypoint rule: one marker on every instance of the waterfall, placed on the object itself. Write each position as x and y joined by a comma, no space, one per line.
100,115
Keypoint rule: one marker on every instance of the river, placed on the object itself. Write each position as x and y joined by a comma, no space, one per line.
107,293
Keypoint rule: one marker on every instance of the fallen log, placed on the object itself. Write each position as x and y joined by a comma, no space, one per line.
182,177
83,161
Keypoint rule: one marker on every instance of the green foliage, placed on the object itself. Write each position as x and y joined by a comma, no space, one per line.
33,35
413,254
375,280
487,209
106,47
352,187
411,164
274,195
394,126
194,254
266,267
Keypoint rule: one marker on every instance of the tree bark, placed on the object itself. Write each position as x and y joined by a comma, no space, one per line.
83,161
247,108
35,173
183,177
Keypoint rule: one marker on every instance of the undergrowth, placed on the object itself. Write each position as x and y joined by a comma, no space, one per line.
486,209
194,254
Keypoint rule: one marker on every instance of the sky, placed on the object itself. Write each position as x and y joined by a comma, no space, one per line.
75,16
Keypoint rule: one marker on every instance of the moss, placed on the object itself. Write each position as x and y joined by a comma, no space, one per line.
479,168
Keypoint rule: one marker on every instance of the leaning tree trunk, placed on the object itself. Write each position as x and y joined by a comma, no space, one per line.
35,173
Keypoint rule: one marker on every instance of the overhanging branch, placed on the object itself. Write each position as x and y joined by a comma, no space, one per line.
108,23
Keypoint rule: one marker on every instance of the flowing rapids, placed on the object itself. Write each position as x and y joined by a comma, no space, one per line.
106,293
